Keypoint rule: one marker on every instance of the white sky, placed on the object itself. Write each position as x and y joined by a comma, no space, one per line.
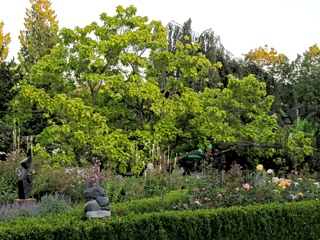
290,26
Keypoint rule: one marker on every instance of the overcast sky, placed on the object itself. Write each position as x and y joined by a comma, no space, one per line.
290,26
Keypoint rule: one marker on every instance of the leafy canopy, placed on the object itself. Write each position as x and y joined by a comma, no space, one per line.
112,92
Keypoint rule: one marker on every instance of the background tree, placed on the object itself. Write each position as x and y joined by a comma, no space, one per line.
306,82
37,39
277,71
264,57
4,42
10,75
211,46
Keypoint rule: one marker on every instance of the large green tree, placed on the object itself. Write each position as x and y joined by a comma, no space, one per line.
113,102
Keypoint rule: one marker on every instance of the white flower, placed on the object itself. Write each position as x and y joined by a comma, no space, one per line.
295,183
275,179
270,171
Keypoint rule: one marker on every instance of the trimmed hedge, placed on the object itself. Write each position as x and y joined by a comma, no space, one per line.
299,220
148,205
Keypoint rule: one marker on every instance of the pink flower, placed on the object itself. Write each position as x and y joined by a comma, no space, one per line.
246,187
94,184
237,189
203,188
197,202
293,197
296,172
195,189
74,190
205,198
219,195
83,180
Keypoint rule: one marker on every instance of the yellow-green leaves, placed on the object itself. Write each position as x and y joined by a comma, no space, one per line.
38,38
4,42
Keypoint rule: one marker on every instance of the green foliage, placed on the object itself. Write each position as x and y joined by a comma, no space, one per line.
261,188
10,75
38,38
106,100
9,174
306,80
49,204
271,221
210,45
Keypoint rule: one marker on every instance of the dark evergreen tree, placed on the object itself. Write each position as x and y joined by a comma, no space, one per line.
10,75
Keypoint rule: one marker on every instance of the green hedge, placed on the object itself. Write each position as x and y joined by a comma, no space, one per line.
148,205
299,220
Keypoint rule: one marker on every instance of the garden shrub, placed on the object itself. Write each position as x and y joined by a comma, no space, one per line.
9,174
206,193
300,220
147,205
49,204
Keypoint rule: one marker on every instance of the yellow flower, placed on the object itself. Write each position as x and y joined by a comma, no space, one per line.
282,184
260,167
300,194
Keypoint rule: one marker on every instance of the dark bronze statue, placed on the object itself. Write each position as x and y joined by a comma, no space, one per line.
25,179
100,206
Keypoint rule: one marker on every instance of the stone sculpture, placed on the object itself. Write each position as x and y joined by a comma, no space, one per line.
99,207
25,179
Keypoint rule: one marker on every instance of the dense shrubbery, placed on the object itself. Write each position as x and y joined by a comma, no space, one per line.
72,181
49,204
266,188
9,173
271,221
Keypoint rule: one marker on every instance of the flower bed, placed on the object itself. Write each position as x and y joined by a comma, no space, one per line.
206,193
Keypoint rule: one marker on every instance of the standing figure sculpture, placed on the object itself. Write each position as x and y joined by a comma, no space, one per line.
99,207
25,179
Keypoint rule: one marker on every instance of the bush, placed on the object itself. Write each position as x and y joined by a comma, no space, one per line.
49,204
206,193
299,220
9,174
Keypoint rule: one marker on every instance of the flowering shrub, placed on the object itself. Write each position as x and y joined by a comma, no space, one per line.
204,194
77,177
49,204
9,174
